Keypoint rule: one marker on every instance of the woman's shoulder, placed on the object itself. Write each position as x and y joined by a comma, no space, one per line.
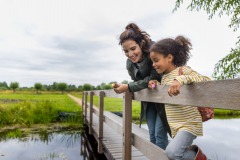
129,64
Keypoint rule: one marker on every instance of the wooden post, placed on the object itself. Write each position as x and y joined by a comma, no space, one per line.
127,126
91,112
83,104
85,109
101,109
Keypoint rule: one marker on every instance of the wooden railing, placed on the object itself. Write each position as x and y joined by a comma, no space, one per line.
224,94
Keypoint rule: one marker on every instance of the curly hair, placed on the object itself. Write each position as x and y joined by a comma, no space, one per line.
179,48
133,32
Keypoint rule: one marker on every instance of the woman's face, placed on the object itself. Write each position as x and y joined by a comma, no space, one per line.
132,50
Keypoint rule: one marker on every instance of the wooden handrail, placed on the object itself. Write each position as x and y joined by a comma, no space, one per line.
223,94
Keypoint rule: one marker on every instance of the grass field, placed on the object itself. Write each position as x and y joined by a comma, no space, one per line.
30,108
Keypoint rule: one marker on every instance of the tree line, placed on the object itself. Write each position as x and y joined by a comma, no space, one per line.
57,86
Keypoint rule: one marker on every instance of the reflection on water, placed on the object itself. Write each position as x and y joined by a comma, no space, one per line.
41,146
89,147
220,140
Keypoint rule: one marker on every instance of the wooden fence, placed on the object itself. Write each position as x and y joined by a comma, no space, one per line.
224,94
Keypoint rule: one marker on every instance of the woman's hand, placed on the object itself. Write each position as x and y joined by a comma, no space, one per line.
174,88
120,88
152,84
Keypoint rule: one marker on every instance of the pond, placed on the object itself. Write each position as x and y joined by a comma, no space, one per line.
42,146
220,140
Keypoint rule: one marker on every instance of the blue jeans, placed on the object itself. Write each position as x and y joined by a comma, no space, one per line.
178,148
157,131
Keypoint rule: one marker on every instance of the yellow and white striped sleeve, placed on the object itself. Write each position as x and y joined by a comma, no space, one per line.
190,76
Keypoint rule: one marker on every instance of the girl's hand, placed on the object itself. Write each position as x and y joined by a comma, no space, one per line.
120,88
152,84
174,88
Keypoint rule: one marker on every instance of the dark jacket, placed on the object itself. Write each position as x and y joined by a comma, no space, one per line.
141,74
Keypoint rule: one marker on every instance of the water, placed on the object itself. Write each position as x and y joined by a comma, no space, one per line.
54,146
220,140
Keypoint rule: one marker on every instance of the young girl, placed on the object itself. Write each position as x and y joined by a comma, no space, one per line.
169,56
135,44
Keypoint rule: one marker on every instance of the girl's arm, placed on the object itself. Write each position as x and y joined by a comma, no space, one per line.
188,76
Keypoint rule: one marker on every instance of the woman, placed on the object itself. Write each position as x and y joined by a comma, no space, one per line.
135,44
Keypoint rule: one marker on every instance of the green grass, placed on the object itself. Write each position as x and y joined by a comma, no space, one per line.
115,105
224,113
28,108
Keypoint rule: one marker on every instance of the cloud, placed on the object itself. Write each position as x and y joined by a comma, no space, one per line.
77,41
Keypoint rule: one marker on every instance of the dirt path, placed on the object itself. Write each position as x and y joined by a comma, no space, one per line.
78,100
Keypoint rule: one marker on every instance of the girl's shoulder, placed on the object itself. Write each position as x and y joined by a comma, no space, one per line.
187,70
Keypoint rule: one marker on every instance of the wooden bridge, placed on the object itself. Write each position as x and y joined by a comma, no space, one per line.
119,138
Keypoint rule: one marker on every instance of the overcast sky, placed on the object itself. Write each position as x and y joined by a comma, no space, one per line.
76,41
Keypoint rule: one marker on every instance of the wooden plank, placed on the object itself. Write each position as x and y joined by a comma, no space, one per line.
150,150
90,112
127,126
112,138
85,108
82,102
100,134
108,93
112,144
223,94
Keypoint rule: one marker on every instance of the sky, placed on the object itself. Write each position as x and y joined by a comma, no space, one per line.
76,41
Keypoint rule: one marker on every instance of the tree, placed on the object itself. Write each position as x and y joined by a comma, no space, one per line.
72,87
87,87
124,82
38,86
54,86
3,86
107,86
98,87
229,66
62,86
14,86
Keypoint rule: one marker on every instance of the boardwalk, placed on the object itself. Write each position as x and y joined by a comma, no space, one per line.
118,138
112,139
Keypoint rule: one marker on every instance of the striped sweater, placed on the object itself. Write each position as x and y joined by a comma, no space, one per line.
185,118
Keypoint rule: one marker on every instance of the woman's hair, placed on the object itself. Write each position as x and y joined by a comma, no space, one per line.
133,32
179,48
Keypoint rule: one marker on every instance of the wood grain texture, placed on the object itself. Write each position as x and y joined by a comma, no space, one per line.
127,126
223,94
90,113
101,109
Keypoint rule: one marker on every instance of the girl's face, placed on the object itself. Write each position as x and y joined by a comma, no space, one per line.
132,50
162,63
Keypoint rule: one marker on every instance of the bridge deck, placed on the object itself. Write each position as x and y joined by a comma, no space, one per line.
112,140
